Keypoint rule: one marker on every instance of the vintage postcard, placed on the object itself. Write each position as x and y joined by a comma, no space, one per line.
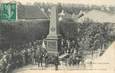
57,36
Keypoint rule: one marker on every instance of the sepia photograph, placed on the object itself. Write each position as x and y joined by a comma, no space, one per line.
57,36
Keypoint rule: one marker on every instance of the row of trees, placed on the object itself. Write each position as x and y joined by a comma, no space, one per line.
15,34
87,35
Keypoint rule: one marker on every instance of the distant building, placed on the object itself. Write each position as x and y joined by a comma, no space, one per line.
98,16
30,12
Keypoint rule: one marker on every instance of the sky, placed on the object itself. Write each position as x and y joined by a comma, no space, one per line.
90,2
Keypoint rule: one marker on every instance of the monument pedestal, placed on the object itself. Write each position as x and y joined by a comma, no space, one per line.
53,44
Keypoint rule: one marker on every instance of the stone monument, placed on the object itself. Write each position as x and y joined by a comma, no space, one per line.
54,37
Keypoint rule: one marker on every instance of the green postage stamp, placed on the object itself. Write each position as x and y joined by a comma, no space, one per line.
7,11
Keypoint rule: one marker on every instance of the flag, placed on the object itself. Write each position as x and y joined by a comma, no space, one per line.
43,44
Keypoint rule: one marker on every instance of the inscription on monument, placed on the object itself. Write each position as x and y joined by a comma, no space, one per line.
52,29
50,43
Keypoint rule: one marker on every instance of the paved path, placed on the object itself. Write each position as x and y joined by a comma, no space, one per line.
51,69
35,68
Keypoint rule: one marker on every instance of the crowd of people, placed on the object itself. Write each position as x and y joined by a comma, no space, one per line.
35,54
14,58
70,47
